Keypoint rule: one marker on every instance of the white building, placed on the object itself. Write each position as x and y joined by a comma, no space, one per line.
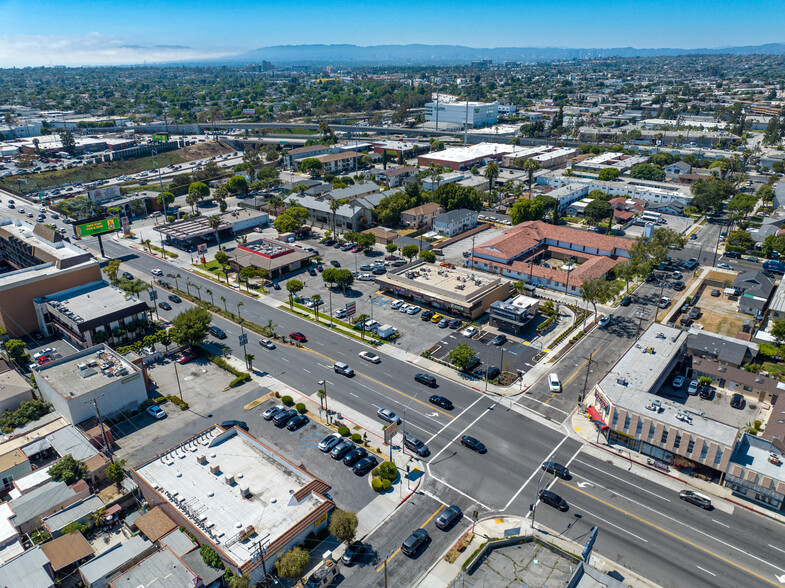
98,373
449,109
455,222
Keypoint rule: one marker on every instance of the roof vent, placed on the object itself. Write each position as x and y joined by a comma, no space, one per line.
215,469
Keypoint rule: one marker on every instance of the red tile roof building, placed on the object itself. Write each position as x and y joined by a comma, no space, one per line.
534,250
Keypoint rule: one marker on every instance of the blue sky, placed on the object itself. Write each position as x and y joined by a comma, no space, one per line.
70,32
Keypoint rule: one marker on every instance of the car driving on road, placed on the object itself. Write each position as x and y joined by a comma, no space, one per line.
554,385
554,500
387,415
473,444
426,379
696,499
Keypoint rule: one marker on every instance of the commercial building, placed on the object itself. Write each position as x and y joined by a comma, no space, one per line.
42,262
455,291
720,348
463,158
610,160
186,234
449,109
293,158
347,217
400,148
626,408
756,471
552,256
98,374
90,314
338,163
231,491
276,257
547,156
513,315
455,222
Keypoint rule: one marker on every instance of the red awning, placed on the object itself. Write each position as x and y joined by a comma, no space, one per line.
114,509
597,418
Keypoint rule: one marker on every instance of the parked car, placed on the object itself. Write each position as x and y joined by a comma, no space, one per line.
706,392
185,357
436,318
369,356
678,382
470,332
556,469
697,499
426,379
444,323
715,293
448,517
297,422
354,456
664,302
441,401
128,276
426,315
387,415
692,389
554,385
283,417
396,304
352,553
239,424
272,411
604,320
156,272
625,301
737,401
156,411
415,542
678,285
413,309
267,343
554,500
499,340
456,324
341,449
365,465
329,442
473,444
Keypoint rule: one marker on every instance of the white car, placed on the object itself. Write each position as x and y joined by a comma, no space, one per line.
156,411
329,442
678,382
413,309
156,272
404,308
368,356
554,385
267,343
664,302
692,389
365,277
396,304
470,332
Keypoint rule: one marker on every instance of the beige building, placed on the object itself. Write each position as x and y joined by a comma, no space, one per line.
627,410
421,216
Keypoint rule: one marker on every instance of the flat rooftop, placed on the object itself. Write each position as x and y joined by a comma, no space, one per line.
630,383
754,452
94,301
86,371
459,154
57,249
197,227
454,284
227,482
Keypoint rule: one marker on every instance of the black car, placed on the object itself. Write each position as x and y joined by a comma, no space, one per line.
737,401
174,298
320,267
379,271
354,456
335,263
554,500
298,421
128,276
456,324
678,286
165,305
311,271
365,465
441,401
239,424
448,517
283,417
499,340
427,315
426,379
353,552
493,372
217,332
706,392
415,542
329,242
340,450
473,444
625,301
557,469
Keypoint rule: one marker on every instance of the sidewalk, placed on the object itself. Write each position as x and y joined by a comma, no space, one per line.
442,574
621,457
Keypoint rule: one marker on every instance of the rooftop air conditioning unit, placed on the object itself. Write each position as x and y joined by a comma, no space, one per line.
229,479
245,492
81,366
201,459
215,469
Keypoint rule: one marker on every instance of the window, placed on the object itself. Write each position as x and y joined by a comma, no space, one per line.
664,438
691,446
627,422
677,441
704,451
615,418
718,457
639,428
651,431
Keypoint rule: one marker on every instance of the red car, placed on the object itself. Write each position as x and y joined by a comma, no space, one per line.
392,258
357,249
297,336
186,357
43,360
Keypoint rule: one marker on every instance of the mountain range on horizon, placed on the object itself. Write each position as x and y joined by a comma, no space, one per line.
420,54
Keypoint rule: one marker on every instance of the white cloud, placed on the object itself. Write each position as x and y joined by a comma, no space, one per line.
88,49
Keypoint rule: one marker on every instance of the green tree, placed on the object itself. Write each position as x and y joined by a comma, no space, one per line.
111,269
311,165
598,210
461,355
608,174
391,248
361,320
246,274
551,205
190,326
316,298
343,525
366,241
197,192
530,166
292,564
293,287
491,173
739,241
647,171
115,472
709,194
409,251
626,271
237,185
596,291
526,210
68,141
240,581
428,256
778,330
16,349
68,470
168,196
291,219
223,260
344,278
214,221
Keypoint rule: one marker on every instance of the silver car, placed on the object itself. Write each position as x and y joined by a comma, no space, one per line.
329,442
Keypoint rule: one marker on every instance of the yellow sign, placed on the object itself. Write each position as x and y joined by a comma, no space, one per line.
320,520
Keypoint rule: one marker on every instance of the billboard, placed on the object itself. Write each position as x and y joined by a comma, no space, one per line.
103,194
249,111
97,227
160,137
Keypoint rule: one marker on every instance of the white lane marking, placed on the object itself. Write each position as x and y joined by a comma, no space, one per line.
329,367
535,472
284,359
719,523
388,375
611,524
622,480
306,371
540,402
707,571
439,432
319,343
777,548
353,394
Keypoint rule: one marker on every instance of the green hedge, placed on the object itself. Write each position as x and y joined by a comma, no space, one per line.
241,379
177,402
343,431
546,323
287,400
300,407
377,485
357,438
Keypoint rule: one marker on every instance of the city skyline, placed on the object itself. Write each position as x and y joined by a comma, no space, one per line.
91,32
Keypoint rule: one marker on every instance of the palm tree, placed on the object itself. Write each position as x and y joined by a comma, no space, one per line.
530,166
137,206
188,283
491,173
198,291
434,173
249,357
174,277
146,243
132,288
223,299
275,202
214,222
362,320
316,298
269,328
239,306
334,206
210,293
322,397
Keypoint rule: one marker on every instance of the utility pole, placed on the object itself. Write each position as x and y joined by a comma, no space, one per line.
177,377
103,432
586,378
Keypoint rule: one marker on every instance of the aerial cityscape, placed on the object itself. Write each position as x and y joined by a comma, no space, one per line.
390,308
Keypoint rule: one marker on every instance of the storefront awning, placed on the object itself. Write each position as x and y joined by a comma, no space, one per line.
597,418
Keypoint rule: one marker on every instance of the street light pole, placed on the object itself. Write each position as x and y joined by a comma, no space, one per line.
330,291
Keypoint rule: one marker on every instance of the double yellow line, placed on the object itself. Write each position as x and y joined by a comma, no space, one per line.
394,553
